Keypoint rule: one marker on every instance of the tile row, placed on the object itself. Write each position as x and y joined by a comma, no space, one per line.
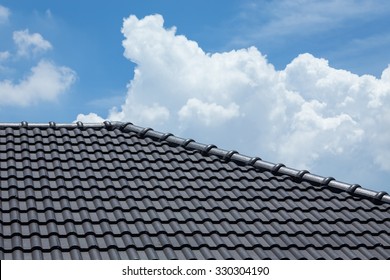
179,201
146,173
18,132
195,241
203,253
246,197
150,213
206,228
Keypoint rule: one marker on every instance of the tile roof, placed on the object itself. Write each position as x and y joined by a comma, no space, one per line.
119,191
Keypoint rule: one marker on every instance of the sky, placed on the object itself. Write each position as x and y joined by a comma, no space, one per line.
304,83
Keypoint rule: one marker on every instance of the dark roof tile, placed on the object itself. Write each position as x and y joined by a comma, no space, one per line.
116,191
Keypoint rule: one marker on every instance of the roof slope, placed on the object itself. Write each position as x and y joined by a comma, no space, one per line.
119,191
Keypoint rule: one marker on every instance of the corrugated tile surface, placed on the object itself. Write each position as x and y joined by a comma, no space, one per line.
108,193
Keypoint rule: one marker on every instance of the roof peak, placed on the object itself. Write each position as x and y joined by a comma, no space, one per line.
227,155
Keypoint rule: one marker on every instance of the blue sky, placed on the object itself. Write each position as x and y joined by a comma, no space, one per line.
298,82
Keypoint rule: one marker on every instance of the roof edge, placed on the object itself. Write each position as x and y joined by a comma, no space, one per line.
232,155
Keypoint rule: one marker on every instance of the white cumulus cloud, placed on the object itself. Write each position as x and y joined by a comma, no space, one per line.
304,115
207,113
27,43
45,83
90,118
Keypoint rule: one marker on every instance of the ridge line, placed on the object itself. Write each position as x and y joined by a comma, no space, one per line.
278,168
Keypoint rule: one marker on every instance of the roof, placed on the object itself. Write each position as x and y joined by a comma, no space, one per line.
120,191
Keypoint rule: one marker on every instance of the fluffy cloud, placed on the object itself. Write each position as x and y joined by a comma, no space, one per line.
45,83
27,43
90,118
207,113
304,115
4,14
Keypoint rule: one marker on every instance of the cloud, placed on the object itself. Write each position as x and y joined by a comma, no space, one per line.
304,17
27,43
45,83
207,113
4,56
90,118
4,14
305,115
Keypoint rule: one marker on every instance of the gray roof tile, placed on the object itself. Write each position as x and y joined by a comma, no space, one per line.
117,191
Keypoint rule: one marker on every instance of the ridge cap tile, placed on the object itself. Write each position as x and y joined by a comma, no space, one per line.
114,190
205,149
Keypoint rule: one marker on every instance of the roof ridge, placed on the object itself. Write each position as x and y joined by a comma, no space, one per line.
227,155
210,149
